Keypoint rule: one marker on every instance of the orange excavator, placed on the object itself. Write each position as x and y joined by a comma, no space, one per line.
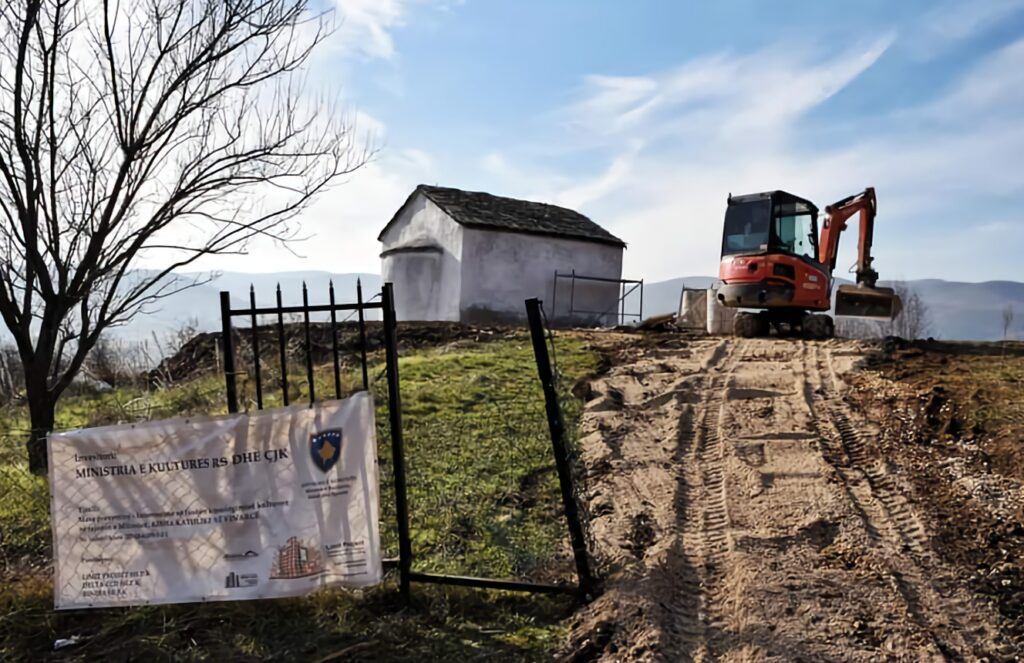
777,267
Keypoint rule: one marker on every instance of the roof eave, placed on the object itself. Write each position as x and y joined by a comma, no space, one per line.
609,241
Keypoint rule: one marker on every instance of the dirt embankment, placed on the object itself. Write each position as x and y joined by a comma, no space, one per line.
751,500
202,354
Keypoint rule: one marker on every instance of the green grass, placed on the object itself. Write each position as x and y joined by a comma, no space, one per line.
483,499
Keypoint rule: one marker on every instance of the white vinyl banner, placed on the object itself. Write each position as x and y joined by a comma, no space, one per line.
276,503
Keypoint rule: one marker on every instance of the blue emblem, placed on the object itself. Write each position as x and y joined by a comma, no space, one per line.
325,448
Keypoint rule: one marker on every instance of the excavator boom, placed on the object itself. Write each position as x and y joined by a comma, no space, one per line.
865,299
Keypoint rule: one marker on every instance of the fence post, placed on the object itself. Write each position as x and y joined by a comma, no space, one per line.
229,351
362,333
554,298
255,347
641,318
310,378
572,293
397,442
282,349
561,448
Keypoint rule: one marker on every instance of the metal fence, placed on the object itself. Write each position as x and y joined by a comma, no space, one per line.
482,493
571,311
470,496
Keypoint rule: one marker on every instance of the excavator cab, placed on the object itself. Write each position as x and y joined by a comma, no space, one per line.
772,222
770,254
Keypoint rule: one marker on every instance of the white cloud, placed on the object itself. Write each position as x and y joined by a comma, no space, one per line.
723,94
738,123
961,19
954,21
365,25
994,87
340,228
535,182
618,172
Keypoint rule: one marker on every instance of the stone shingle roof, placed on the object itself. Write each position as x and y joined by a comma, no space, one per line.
482,210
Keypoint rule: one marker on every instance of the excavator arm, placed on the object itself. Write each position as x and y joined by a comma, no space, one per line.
836,217
865,299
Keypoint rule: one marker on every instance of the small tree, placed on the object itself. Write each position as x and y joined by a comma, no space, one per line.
1007,321
146,130
914,320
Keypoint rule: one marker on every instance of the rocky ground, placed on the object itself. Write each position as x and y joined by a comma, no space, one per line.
769,499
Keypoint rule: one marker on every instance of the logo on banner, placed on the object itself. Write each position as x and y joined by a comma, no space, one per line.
239,580
325,449
248,554
296,559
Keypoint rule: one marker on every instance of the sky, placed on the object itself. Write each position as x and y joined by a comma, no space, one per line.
645,115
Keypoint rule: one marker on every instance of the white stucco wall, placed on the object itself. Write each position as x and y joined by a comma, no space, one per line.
427,284
502,269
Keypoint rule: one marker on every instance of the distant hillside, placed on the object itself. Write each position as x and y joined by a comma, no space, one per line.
963,311
663,296
201,304
972,311
958,311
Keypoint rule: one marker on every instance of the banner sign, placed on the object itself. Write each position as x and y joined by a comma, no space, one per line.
276,503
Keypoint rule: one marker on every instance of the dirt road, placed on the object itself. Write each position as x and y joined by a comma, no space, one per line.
745,514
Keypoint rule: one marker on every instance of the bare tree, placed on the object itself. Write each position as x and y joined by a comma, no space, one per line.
144,132
1007,321
112,361
914,320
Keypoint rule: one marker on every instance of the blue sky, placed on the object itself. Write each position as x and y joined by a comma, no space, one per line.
645,114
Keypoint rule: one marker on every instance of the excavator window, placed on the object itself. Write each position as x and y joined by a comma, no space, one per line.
796,234
747,228
761,225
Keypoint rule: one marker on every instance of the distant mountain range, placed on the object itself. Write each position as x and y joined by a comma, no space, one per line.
200,306
961,311
957,311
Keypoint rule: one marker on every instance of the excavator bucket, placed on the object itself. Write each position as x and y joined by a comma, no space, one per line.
863,302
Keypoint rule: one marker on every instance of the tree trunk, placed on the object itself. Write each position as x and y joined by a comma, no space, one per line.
42,409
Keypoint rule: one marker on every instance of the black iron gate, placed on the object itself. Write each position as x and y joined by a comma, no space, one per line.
278,332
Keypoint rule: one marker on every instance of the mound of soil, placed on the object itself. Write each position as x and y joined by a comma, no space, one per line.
203,353
952,416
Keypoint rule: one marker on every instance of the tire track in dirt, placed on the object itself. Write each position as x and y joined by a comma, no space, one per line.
638,437
704,543
741,512
933,598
